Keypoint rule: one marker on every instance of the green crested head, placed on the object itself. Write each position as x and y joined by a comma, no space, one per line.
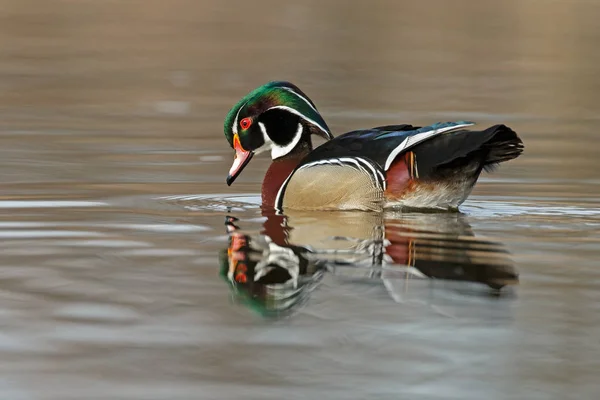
276,117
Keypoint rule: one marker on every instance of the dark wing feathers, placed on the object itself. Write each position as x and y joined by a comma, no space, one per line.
375,144
396,128
416,130
357,144
363,143
496,144
490,146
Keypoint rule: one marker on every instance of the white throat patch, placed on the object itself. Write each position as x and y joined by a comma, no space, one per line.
278,151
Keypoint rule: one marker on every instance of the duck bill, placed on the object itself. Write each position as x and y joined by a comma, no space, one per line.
240,160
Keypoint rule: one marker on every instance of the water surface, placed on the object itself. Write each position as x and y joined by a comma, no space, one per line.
113,204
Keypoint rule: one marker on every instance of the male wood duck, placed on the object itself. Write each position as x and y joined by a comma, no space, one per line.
393,166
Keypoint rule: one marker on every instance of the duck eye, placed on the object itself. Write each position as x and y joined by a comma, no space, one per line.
245,123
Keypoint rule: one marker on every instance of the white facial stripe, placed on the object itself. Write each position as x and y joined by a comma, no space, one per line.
300,96
280,151
268,142
235,121
291,110
277,151
418,138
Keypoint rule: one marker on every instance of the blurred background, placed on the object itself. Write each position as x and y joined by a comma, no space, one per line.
162,76
112,187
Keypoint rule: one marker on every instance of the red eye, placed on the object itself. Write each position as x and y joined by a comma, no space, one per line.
245,123
241,278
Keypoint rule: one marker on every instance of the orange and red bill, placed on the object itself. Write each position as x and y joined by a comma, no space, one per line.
240,160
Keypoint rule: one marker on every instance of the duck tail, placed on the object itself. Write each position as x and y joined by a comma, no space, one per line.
503,145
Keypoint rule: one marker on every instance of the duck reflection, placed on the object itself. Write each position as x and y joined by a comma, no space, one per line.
275,272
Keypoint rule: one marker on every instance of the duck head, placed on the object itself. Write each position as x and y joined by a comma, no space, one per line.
276,117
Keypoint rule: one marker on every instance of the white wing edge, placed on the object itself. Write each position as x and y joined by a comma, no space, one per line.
416,139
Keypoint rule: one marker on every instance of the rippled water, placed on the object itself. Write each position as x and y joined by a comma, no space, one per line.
113,207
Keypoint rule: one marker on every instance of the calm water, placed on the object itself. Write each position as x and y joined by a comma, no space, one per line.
113,260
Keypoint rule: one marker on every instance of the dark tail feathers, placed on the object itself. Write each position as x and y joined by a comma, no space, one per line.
503,145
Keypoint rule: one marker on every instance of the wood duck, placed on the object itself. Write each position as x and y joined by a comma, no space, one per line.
393,166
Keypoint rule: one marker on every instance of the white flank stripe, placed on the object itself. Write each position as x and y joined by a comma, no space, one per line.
278,198
416,139
359,162
377,175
